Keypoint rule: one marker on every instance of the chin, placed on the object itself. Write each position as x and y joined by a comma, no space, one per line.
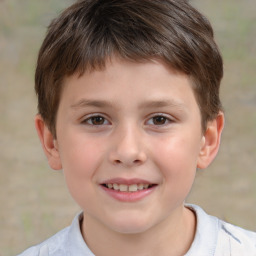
129,225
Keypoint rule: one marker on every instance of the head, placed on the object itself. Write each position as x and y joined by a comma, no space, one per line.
128,96
91,32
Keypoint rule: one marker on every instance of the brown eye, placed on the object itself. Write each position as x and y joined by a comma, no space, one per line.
159,120
97,120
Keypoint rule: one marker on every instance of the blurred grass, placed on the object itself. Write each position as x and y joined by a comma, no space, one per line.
34,201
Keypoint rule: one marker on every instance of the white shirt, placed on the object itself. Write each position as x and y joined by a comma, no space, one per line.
214,237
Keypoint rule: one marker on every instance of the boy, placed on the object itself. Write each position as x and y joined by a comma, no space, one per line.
129,108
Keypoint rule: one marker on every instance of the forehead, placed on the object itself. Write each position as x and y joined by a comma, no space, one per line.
121,79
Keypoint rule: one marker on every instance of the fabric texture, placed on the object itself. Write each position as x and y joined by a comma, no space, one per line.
214,237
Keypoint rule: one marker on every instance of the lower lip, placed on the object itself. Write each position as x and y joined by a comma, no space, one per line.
129,196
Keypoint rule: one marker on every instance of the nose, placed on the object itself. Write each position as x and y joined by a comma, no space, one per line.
127,148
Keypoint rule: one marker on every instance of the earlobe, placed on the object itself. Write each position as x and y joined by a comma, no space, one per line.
49,143
210,141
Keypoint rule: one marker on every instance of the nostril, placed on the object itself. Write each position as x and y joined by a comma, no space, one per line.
137,161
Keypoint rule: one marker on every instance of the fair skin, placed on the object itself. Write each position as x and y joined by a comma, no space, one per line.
138,126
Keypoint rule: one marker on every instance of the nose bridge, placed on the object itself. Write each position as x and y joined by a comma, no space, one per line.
128,148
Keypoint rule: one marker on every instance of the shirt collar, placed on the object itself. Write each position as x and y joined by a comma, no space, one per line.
206,236
75,242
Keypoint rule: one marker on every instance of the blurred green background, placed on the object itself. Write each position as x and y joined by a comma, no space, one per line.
34,200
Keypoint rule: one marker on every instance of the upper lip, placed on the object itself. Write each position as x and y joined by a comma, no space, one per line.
126,181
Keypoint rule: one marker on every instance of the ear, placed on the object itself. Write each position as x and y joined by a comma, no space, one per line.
49,143
211,141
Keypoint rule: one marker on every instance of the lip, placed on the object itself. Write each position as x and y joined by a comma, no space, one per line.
127,181
128,196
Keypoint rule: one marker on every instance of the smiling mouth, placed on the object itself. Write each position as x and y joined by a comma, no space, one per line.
128,188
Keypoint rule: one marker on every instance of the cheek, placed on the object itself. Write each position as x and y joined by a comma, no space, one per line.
80,155
177,160
80,160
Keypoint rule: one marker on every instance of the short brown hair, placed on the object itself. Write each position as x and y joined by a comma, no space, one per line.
89,32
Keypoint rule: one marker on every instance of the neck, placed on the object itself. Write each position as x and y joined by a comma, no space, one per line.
173,236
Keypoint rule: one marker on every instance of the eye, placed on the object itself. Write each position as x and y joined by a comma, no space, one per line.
159,120
96,120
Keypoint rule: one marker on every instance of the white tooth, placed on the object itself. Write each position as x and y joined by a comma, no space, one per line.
140,186
133,188
110,185
123,187
116,186
145,186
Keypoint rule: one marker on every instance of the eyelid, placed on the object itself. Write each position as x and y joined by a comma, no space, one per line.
85,119
170,118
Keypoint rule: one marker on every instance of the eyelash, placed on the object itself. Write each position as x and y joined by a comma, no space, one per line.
162,117
89,120
166,120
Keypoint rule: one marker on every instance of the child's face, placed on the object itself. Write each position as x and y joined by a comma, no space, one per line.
130,124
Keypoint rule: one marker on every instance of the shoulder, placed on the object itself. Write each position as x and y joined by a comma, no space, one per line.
239,241
52,246
216,237
66,242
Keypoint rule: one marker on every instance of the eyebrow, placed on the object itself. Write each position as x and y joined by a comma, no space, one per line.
163,103
91,103
147,104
